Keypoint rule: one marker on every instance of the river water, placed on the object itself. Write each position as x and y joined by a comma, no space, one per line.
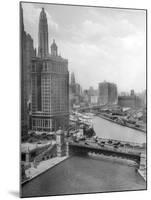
89,175
107,129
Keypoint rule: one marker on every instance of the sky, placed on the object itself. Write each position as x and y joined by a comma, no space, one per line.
100,43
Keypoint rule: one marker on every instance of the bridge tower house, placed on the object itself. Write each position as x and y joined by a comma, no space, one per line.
61,144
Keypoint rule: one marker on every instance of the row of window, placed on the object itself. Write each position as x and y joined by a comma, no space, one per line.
46,67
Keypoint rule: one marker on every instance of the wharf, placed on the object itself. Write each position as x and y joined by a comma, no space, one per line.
142,173
142,168
42,167
126,125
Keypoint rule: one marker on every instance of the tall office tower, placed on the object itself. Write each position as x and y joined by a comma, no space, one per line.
72,78
107,93
43,35
50,87
27,52
73,84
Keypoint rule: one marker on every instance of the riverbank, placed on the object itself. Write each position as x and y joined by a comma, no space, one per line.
126,125
113,159
42,167
142,173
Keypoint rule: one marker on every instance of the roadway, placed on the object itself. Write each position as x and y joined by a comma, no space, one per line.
105,144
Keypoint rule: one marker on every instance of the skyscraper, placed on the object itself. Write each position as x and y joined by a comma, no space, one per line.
27,52
50,84
72,79
43,35
107,93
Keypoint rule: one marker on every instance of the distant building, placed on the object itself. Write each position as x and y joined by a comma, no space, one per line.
50,84
91,91
142,96
27,52
72,79
73,84
107,93
94,99
132,93
93,95
77,89
131,100
75,92
124,94
86,98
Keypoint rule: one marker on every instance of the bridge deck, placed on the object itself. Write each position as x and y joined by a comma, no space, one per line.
121,141
97,147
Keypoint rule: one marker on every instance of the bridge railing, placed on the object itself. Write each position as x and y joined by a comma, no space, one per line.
121,141
125,151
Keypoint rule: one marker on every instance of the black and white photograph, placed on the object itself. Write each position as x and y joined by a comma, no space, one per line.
83,96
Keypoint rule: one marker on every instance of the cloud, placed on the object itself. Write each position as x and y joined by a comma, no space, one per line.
31,21
134,42
100,44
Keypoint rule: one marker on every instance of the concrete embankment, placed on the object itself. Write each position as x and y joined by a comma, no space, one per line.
126,125
123,161
42,167
142,173
113,159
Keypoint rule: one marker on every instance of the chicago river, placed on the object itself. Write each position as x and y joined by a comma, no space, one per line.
88,175
109,130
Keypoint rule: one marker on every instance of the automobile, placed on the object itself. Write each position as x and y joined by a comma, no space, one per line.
101,145
86,143
110,141
44,134
115,146
76,140
82,138
117,143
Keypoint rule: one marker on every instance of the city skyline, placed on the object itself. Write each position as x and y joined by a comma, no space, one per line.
100,43
67,125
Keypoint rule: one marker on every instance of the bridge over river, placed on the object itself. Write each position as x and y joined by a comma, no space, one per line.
84,175
85,147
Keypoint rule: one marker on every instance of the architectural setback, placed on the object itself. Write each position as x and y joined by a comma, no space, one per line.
50,84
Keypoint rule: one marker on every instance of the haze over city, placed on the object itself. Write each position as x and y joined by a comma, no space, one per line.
100,44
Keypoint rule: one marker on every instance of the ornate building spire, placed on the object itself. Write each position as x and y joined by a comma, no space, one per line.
54,49
43,35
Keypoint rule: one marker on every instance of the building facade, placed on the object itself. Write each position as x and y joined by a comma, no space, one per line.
93,96
132,100
50,84
107,93
75,92
27,52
